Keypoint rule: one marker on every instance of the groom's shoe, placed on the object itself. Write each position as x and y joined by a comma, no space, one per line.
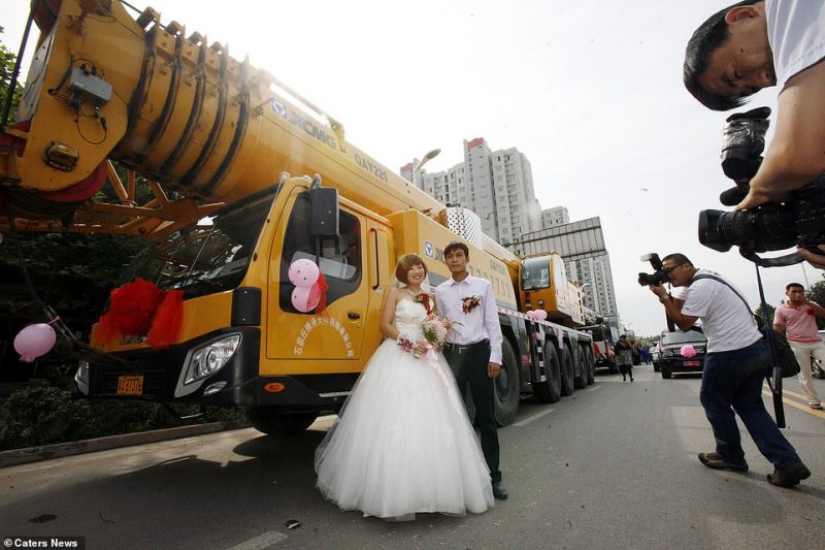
499,491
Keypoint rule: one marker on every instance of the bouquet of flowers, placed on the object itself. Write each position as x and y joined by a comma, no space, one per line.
436,328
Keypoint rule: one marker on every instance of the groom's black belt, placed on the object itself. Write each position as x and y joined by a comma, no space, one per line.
455,348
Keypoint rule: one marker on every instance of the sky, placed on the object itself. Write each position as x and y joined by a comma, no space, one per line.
590,91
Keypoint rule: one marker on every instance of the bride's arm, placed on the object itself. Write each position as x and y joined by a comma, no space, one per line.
387,314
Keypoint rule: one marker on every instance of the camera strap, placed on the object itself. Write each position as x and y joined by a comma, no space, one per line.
775,378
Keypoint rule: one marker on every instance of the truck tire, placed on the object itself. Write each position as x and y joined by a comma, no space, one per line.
580,377
549,391
666,374
507,386
275,421
567,374
590,363
612,367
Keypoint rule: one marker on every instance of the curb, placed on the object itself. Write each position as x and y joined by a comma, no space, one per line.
58,450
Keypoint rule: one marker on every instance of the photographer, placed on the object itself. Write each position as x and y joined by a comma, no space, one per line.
735,364
756,44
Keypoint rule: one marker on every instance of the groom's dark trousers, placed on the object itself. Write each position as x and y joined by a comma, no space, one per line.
469,365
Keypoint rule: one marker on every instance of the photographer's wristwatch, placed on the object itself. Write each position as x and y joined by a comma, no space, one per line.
663,298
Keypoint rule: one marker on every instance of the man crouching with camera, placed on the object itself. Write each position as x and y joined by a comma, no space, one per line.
736,362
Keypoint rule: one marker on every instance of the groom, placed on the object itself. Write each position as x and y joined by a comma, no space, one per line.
473,349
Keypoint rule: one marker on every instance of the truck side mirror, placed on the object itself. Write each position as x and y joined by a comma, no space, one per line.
324,211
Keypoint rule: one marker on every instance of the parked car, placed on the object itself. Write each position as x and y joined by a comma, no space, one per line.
817,368
682,351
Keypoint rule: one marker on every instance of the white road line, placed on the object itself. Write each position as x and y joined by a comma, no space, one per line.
594,388
534,417
261,541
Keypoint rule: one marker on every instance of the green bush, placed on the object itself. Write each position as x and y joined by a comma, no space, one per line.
42,415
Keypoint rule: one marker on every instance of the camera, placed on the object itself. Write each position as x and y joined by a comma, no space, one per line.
658,277
799,220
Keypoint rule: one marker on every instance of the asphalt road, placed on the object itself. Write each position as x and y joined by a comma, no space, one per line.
612,467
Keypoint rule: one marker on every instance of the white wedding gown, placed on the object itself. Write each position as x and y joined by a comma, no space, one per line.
403,443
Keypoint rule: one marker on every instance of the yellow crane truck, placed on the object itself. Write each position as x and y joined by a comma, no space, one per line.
120,100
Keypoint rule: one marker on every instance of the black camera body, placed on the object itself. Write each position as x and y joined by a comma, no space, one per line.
658,277
799,220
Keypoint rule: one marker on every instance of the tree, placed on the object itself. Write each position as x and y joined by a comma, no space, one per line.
7,60
770,310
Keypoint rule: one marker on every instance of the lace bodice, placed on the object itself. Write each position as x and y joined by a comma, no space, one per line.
408,318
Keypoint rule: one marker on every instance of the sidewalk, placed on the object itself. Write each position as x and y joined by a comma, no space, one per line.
46,452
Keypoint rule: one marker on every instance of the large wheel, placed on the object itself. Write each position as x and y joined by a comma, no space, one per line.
567,374
580,375
276,421
666,374
612,366
507,386
590,365
549,391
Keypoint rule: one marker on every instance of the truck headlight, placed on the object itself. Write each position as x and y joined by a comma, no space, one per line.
210,358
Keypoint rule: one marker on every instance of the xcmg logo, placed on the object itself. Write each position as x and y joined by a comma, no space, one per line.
306,125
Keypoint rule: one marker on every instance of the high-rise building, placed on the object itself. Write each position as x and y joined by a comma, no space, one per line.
496,185
552,217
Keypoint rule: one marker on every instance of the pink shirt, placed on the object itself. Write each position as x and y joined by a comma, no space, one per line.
799,322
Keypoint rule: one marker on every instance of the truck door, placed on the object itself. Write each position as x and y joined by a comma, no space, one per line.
336,335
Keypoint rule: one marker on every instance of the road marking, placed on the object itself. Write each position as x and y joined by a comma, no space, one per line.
802,407
261,541
534,417
594,388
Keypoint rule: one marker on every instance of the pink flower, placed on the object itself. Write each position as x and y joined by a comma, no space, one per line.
688,351
405,344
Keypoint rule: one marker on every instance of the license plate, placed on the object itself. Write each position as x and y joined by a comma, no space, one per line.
130,385
693,363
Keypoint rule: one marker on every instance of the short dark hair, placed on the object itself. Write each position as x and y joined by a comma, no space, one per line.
405,263
793,285
678,258
457,245
710,36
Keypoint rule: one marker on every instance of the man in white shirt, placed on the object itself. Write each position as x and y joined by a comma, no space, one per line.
473,349
735,364
756,44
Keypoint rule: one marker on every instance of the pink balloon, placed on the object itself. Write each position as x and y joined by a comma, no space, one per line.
537,314
34,341
303,273
305,299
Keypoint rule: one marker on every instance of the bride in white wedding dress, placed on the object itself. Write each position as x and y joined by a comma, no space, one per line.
403,443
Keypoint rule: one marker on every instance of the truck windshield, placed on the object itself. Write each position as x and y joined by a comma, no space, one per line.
210,255
679,337
535,273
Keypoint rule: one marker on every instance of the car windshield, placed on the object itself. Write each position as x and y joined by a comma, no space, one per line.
679,337
210,255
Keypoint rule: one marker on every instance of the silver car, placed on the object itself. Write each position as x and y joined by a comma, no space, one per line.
817,368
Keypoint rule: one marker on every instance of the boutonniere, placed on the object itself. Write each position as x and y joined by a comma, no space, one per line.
469,303
424,298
